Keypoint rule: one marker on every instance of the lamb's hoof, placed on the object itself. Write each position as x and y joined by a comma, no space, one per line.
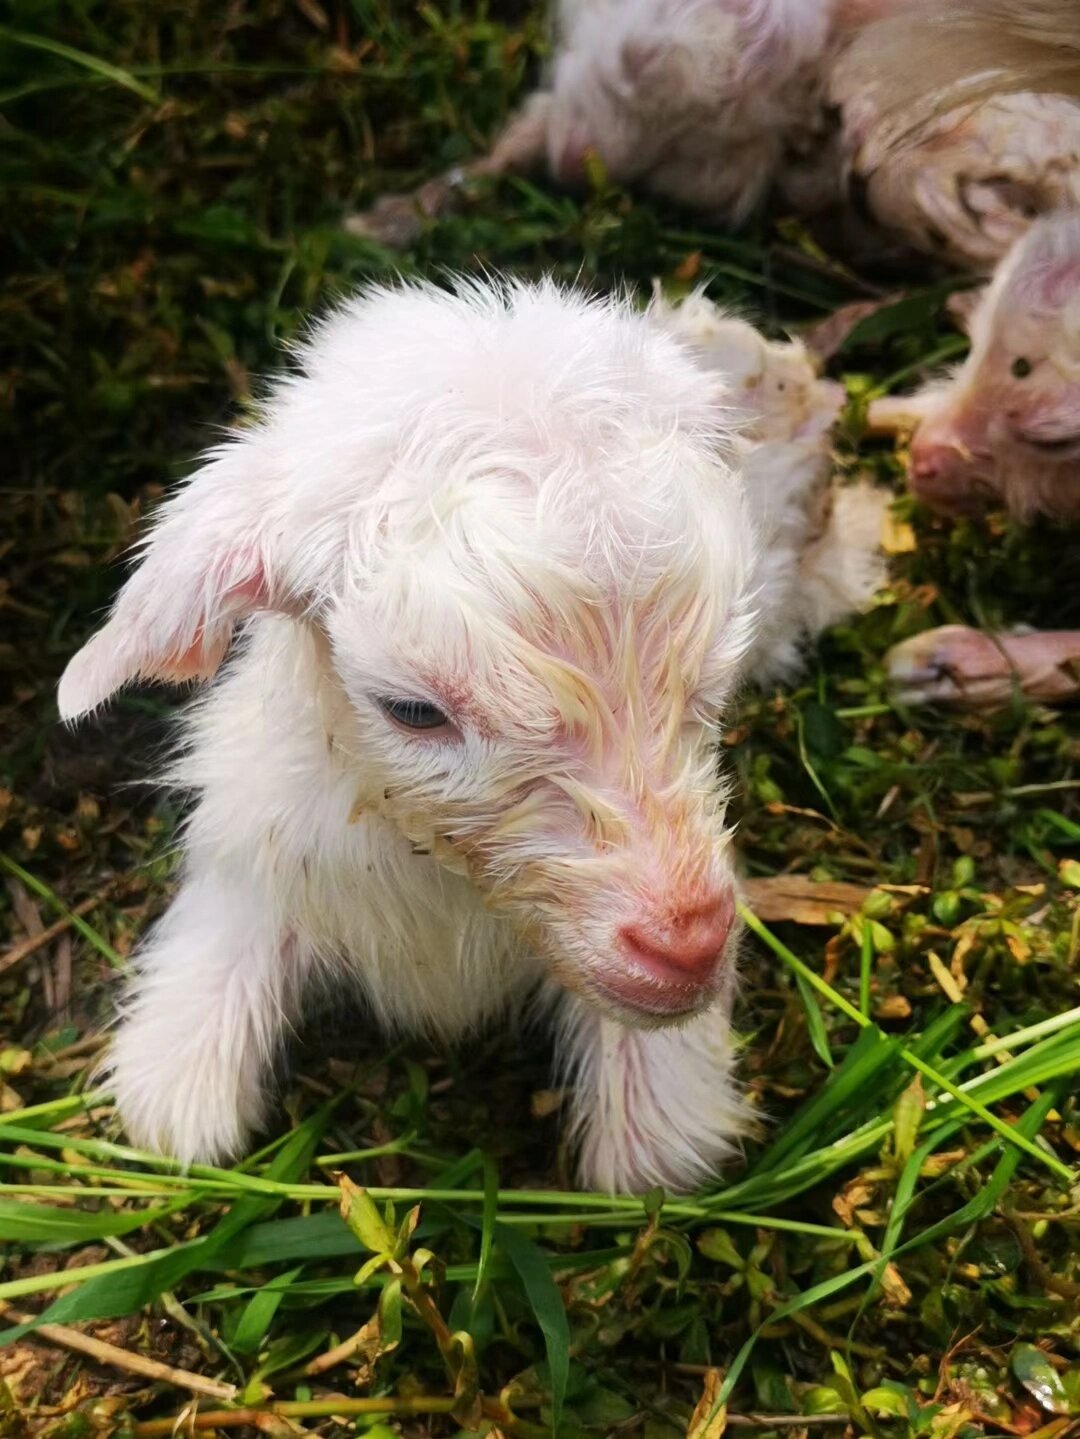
952,665
394,221
398,221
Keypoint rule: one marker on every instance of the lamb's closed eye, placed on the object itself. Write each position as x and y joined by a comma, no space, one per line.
413,714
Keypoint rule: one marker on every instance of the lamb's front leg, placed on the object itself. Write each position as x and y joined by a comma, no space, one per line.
216,982
652,1106
968,669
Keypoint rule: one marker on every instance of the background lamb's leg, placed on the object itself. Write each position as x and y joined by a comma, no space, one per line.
216,983
894,414
962,667
650,1107
397,221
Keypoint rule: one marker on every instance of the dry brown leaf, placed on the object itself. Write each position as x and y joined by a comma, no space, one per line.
709,1419
852,1197
545,1102
897,536
795,899
893,1006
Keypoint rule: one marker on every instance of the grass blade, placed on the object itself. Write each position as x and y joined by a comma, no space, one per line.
1049,1161
543,1295
88,932
49,1224
259,1313
92,63
487,1236
815,1024
123,1287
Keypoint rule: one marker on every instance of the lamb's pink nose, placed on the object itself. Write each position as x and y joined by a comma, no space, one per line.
689,946
930,462
944,479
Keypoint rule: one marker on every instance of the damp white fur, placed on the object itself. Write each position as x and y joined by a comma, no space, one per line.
525,513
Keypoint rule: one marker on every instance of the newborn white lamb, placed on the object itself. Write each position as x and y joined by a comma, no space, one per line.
496,581
706,102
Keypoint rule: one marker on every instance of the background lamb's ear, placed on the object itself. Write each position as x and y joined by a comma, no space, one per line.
1046,263
205,564
962,305
724,344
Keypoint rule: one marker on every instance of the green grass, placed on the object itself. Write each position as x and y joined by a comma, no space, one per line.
899,1249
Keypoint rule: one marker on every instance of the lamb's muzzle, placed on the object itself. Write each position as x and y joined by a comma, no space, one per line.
497,580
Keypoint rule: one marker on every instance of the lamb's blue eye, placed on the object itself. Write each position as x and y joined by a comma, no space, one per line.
412,714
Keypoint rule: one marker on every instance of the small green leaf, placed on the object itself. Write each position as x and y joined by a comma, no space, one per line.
718,1244
259,1313
290,1350
93,63
370,1267
907,1117
1040,1378
946,908
963,872
822,1399
653,1202
1070,1382
877,904
361,1214
390,1314
49,1224
884,943
885,1404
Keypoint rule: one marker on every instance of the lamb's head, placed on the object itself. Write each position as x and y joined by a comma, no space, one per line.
773,384
506,517
1008,423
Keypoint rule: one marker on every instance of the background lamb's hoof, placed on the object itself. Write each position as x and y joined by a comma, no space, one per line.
397,221
952,665
965,668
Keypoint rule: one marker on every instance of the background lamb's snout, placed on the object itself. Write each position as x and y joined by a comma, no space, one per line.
931,464
685,947
942,475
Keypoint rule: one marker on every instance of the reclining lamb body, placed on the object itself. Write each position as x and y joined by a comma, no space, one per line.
705,102
497,579
949,126
961,121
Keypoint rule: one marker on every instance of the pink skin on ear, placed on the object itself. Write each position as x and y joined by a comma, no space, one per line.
202,658
150,634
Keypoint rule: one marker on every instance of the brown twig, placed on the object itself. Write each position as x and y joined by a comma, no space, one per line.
117,1358
339,1354
33,942
294,1409
785,1421
335,1407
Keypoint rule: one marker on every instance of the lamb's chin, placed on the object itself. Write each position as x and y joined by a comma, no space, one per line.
641,1003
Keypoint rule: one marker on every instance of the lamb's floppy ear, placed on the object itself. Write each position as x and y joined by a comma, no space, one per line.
206,563
962,306
1046,263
